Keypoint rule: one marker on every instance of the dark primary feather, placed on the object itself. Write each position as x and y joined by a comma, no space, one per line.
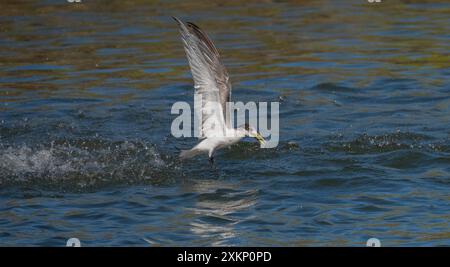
203,37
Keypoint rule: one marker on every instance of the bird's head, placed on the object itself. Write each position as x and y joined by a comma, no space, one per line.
251,132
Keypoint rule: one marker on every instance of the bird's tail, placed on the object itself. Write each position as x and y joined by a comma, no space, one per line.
187,154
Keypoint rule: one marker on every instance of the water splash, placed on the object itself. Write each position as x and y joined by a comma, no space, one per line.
80,164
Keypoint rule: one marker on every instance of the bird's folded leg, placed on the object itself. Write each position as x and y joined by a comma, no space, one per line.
211,161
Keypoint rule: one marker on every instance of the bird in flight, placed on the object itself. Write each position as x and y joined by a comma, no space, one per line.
213,87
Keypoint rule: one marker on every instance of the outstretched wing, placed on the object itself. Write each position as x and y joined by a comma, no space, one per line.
211,80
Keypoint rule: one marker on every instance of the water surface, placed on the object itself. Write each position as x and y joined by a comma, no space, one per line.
85,145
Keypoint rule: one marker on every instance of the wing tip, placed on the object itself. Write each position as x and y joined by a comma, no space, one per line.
177,20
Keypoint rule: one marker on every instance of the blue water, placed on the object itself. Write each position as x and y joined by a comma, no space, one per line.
86,150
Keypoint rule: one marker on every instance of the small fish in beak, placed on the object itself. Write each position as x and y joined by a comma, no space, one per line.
260,139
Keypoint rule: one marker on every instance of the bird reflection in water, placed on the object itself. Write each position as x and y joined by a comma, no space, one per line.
215,209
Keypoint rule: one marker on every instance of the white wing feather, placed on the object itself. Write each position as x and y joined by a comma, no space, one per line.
211,81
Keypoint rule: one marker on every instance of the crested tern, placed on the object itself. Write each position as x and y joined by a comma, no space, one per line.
212,84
